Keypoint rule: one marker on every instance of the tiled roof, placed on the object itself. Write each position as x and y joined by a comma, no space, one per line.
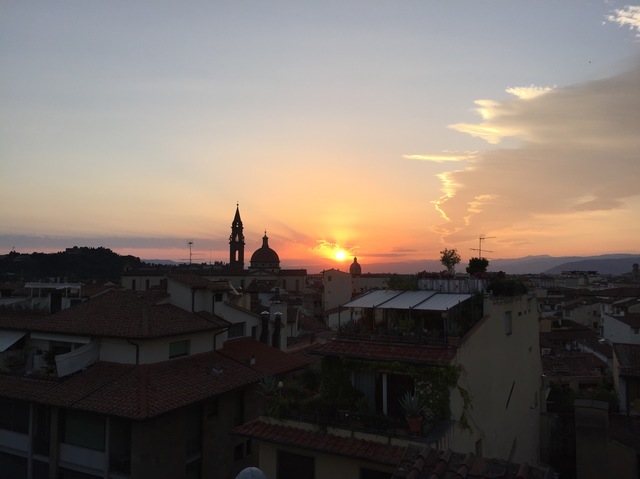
200,282
573,364
628,358
136,391
379,453
268,360
424,462
117,313
385,351
630,319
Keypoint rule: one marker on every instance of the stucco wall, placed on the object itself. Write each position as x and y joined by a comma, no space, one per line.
502,373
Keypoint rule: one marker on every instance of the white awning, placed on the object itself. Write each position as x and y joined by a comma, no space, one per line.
63,338
372,299
417,300
77,359
9,338
442,302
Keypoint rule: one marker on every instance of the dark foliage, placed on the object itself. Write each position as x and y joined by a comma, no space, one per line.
73,264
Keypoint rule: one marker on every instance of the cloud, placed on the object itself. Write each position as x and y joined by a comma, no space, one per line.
528,92
577,165
443,157
628,16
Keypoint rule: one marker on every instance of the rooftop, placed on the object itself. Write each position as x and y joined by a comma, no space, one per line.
116,313
136,391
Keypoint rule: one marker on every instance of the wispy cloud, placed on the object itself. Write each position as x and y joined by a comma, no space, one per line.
629,16
528,92
444,157
578,159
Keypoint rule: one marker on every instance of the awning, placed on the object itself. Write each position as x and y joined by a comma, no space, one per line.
63,338
416,300
372,299
9,338
442,302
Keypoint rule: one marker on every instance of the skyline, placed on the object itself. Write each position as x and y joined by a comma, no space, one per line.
385,130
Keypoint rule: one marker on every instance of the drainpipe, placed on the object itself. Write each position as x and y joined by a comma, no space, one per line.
137,350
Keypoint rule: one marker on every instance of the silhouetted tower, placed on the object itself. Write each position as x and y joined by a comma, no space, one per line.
236,242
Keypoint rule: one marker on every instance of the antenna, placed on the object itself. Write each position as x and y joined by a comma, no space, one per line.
190,245
481,238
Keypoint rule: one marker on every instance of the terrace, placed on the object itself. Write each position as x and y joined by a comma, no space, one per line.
424,318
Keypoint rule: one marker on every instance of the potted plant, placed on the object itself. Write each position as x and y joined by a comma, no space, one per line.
413,407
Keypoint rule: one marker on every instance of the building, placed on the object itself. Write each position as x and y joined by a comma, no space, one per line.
475,357
129,385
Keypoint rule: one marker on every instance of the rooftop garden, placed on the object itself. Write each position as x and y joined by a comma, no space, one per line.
328,397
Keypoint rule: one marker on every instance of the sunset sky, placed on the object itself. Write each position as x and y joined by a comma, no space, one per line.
388,130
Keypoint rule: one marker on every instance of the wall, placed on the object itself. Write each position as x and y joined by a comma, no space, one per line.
616,331
502,373
158,447
326,466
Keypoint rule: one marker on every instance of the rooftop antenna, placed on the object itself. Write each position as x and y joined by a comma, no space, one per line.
190,245
481,238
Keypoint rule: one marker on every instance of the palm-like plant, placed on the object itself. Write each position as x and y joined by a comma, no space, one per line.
412,404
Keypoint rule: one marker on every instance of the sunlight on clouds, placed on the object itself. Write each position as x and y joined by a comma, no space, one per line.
443,157
528,92
577,163
490,134
328,249
628,16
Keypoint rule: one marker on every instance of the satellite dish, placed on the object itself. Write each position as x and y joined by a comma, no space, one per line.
251,473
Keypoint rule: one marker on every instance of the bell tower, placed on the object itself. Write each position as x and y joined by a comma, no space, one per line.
236,242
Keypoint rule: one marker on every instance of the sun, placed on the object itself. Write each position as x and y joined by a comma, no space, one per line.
340,255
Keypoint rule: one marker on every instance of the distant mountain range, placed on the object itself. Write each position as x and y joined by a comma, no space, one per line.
604,264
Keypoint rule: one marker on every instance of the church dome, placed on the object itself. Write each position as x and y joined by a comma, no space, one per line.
265,257
355,268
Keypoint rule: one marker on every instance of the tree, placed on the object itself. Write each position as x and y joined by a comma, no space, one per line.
449,259
477,265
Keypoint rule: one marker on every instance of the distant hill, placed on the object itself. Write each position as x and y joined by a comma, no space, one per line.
604,264
73,264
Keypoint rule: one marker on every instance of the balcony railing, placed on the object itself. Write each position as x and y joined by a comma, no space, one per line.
401,338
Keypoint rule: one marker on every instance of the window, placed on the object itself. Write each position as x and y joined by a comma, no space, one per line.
295,466
236,330
146,284
194,430
238,452
179,348
14,415
84,429
371,474
508,323
636,330
133,284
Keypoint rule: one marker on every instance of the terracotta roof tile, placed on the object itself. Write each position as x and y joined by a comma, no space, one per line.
422,462
137,392
572,363
385,351
117,313
371,451
628,358
268,360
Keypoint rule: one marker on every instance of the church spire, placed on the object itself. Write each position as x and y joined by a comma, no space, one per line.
236,242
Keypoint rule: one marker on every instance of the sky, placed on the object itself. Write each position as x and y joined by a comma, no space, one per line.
386,130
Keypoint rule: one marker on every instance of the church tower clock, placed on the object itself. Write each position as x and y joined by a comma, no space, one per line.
236,243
